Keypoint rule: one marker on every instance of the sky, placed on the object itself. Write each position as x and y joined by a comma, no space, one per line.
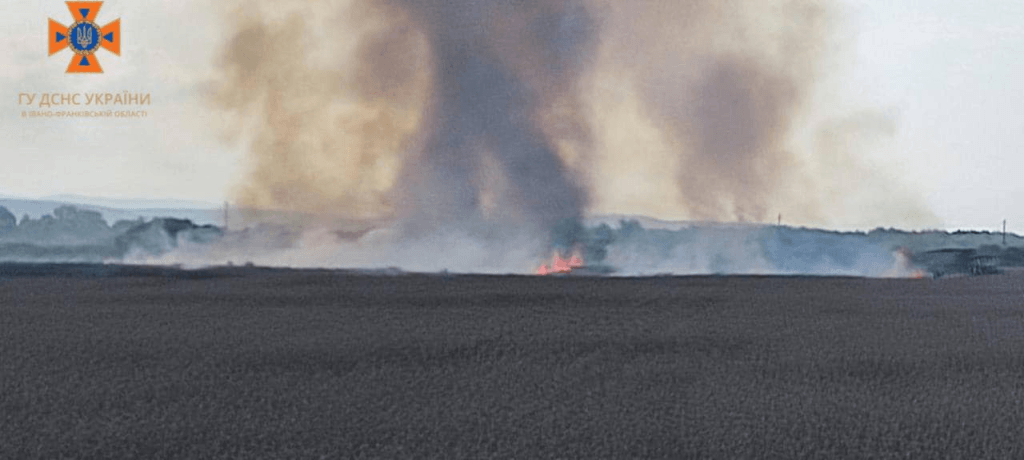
946,74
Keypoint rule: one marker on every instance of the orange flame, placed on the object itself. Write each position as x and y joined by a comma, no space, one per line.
905,265
560,265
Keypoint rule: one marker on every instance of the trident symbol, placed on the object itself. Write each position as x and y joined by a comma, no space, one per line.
83,38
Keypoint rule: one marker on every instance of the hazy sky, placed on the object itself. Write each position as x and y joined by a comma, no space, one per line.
946,73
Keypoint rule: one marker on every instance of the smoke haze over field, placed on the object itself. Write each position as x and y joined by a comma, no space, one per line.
534,111
611,247
495,121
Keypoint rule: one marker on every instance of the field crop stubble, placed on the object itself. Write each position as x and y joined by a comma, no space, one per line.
268,363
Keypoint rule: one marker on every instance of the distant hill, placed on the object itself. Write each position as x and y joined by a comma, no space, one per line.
132,203
199,212
112,212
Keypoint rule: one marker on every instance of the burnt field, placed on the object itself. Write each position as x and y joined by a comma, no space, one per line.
115,362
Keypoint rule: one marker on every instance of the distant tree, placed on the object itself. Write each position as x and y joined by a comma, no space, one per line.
7,220
83,219
122,226
67,225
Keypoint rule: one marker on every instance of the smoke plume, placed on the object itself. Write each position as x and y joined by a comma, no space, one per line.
437,112
496,119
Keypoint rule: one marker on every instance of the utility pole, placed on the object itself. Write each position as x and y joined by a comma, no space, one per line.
225,216
1004,232
780,219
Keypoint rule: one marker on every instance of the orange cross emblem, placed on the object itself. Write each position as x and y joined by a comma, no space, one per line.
84,37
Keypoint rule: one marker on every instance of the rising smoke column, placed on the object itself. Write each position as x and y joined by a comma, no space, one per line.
434,113
718,110
490,117
498,68
722,85
328,96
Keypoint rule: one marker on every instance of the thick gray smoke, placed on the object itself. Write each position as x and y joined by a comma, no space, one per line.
499,121
489,76
497,67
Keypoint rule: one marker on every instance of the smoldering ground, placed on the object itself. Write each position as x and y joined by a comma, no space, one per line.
486,123
609,246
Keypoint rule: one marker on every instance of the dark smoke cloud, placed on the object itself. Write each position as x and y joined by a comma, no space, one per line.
441,114
491,116
497,67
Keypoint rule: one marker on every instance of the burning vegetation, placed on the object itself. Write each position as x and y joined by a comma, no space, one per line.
479,136
490,122
625,249
561,265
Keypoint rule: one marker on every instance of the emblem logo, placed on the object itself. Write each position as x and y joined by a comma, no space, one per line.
84,37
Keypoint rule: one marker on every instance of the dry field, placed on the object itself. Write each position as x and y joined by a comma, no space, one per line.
109,362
